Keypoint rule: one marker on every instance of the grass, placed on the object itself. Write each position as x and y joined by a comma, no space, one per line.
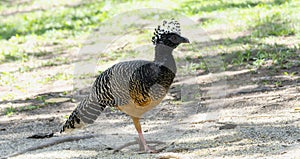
258,54
194,63
9,111
274,24
262,19
7,78
34,38
81,19
56,77
57,23
40,101
72,19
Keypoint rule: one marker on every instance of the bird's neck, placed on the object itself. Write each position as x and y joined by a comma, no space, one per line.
163,56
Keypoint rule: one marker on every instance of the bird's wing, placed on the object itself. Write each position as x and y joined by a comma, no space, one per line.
149,82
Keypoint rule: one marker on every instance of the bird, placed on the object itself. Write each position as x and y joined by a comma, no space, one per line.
134,87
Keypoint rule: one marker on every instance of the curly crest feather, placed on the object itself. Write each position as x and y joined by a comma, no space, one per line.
172,26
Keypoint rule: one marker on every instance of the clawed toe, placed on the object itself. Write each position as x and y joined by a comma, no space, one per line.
142,149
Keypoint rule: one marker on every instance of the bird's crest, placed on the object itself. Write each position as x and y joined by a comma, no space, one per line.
172,26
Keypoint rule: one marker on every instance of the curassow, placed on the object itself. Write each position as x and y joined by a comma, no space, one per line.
134,87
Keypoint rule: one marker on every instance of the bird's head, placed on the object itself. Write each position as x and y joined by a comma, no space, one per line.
169,34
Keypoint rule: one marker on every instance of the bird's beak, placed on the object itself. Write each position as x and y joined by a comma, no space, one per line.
185,40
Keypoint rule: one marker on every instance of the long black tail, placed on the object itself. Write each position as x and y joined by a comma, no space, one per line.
73,122
85,113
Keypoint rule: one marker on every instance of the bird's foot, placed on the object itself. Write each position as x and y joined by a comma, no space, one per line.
145,148
149,150
142,149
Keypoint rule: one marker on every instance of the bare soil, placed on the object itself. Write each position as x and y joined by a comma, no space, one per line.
250,120
239,113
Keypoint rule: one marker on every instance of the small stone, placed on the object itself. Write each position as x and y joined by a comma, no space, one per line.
297,108
227,126
2,129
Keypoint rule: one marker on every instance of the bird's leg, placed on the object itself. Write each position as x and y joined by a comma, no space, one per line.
138,127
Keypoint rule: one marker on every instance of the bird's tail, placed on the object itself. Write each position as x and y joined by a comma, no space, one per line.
85,113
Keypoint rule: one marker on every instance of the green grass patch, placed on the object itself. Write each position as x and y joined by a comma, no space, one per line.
202,6
55,25
47,33
56,77
7,78
258,54
29,107
274,24
56,62
11,52
59,18
12,110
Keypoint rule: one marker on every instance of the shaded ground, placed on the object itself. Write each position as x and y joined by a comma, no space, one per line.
266,124
237,112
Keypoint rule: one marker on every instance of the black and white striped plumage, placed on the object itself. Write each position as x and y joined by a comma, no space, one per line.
134,87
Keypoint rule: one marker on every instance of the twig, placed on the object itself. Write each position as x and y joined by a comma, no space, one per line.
51,143
59,140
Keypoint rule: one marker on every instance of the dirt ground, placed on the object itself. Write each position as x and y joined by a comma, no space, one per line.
250,120
240,113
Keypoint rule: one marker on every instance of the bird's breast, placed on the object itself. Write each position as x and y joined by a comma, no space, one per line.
137,110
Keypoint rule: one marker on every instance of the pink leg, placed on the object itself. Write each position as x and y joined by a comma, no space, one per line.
141,136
